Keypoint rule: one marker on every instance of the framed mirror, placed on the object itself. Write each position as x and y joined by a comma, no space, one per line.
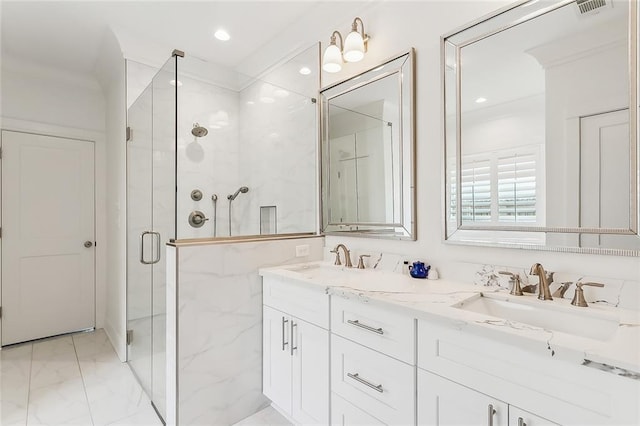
540,119
368,139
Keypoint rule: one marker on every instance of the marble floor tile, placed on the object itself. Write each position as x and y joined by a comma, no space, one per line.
15,372
70,380
266,417
59,404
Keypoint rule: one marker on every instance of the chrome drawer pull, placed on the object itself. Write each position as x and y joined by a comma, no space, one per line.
490,413
357,378
521,422
357,323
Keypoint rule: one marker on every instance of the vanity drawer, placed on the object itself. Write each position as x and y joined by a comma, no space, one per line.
307,303
381,329
375,383
345,414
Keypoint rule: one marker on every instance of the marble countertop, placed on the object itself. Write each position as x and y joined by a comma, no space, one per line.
617,350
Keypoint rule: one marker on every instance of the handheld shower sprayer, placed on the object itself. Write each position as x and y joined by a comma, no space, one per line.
242,189
232,197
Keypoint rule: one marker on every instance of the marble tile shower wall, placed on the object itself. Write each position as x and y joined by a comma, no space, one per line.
208,163
218,327
263,137
278,159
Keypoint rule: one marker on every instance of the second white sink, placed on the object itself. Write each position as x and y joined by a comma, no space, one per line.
545,314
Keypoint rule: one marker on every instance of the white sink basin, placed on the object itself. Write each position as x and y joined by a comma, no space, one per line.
550,315
356,279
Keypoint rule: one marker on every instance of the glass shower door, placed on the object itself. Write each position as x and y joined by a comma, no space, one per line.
139,244
150,225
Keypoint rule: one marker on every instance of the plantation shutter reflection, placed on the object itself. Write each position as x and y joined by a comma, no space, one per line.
476,191
499,190
517,189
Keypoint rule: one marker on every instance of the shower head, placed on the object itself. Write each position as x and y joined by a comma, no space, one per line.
198,131
242,189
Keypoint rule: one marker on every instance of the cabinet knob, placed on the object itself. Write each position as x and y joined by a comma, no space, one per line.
521,422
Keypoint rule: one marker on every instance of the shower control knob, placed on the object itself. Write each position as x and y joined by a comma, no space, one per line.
197,219
88,244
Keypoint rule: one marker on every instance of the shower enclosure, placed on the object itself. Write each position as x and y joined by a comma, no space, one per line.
209,151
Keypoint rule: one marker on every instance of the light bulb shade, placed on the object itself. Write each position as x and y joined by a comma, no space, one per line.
353,47
332,60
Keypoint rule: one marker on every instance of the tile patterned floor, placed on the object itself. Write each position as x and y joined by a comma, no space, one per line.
266,417
79,380
70,380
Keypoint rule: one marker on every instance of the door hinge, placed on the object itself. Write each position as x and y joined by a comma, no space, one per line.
0,311
0,232
129,134
0,153
129,337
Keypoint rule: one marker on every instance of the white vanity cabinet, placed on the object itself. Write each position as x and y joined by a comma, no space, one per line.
372,364
296,351
442,402
525,378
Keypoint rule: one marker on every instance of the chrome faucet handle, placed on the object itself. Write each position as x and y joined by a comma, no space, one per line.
516,290
361,260
578,297
337,262
562,289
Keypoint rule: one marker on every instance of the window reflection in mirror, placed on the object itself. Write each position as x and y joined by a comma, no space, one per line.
537,128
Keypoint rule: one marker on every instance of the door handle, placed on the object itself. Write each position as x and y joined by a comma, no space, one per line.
88,244
142,235
158,246
157,236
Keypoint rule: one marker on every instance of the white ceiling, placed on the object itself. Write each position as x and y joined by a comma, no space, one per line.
68,34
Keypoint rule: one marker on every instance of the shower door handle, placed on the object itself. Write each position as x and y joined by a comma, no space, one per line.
157,237
144,262
158,246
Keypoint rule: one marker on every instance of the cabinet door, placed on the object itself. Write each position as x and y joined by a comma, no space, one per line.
519,417
276,358
442,402
310,349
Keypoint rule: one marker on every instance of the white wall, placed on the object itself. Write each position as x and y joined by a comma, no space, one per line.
111,74
395,26
45,100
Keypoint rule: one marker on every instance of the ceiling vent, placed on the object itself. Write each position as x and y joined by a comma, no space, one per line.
591,7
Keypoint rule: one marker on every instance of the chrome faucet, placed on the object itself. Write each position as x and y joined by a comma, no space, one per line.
347,256
544,279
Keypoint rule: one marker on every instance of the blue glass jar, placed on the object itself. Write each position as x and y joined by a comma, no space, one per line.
419,270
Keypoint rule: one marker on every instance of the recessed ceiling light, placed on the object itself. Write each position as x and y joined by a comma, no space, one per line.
305,71
222,35
481,100
173,83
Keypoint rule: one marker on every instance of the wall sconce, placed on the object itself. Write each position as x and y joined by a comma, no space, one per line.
351,50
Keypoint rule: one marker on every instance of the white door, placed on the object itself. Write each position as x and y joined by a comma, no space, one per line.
276,358
310,373
48,282
604,178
